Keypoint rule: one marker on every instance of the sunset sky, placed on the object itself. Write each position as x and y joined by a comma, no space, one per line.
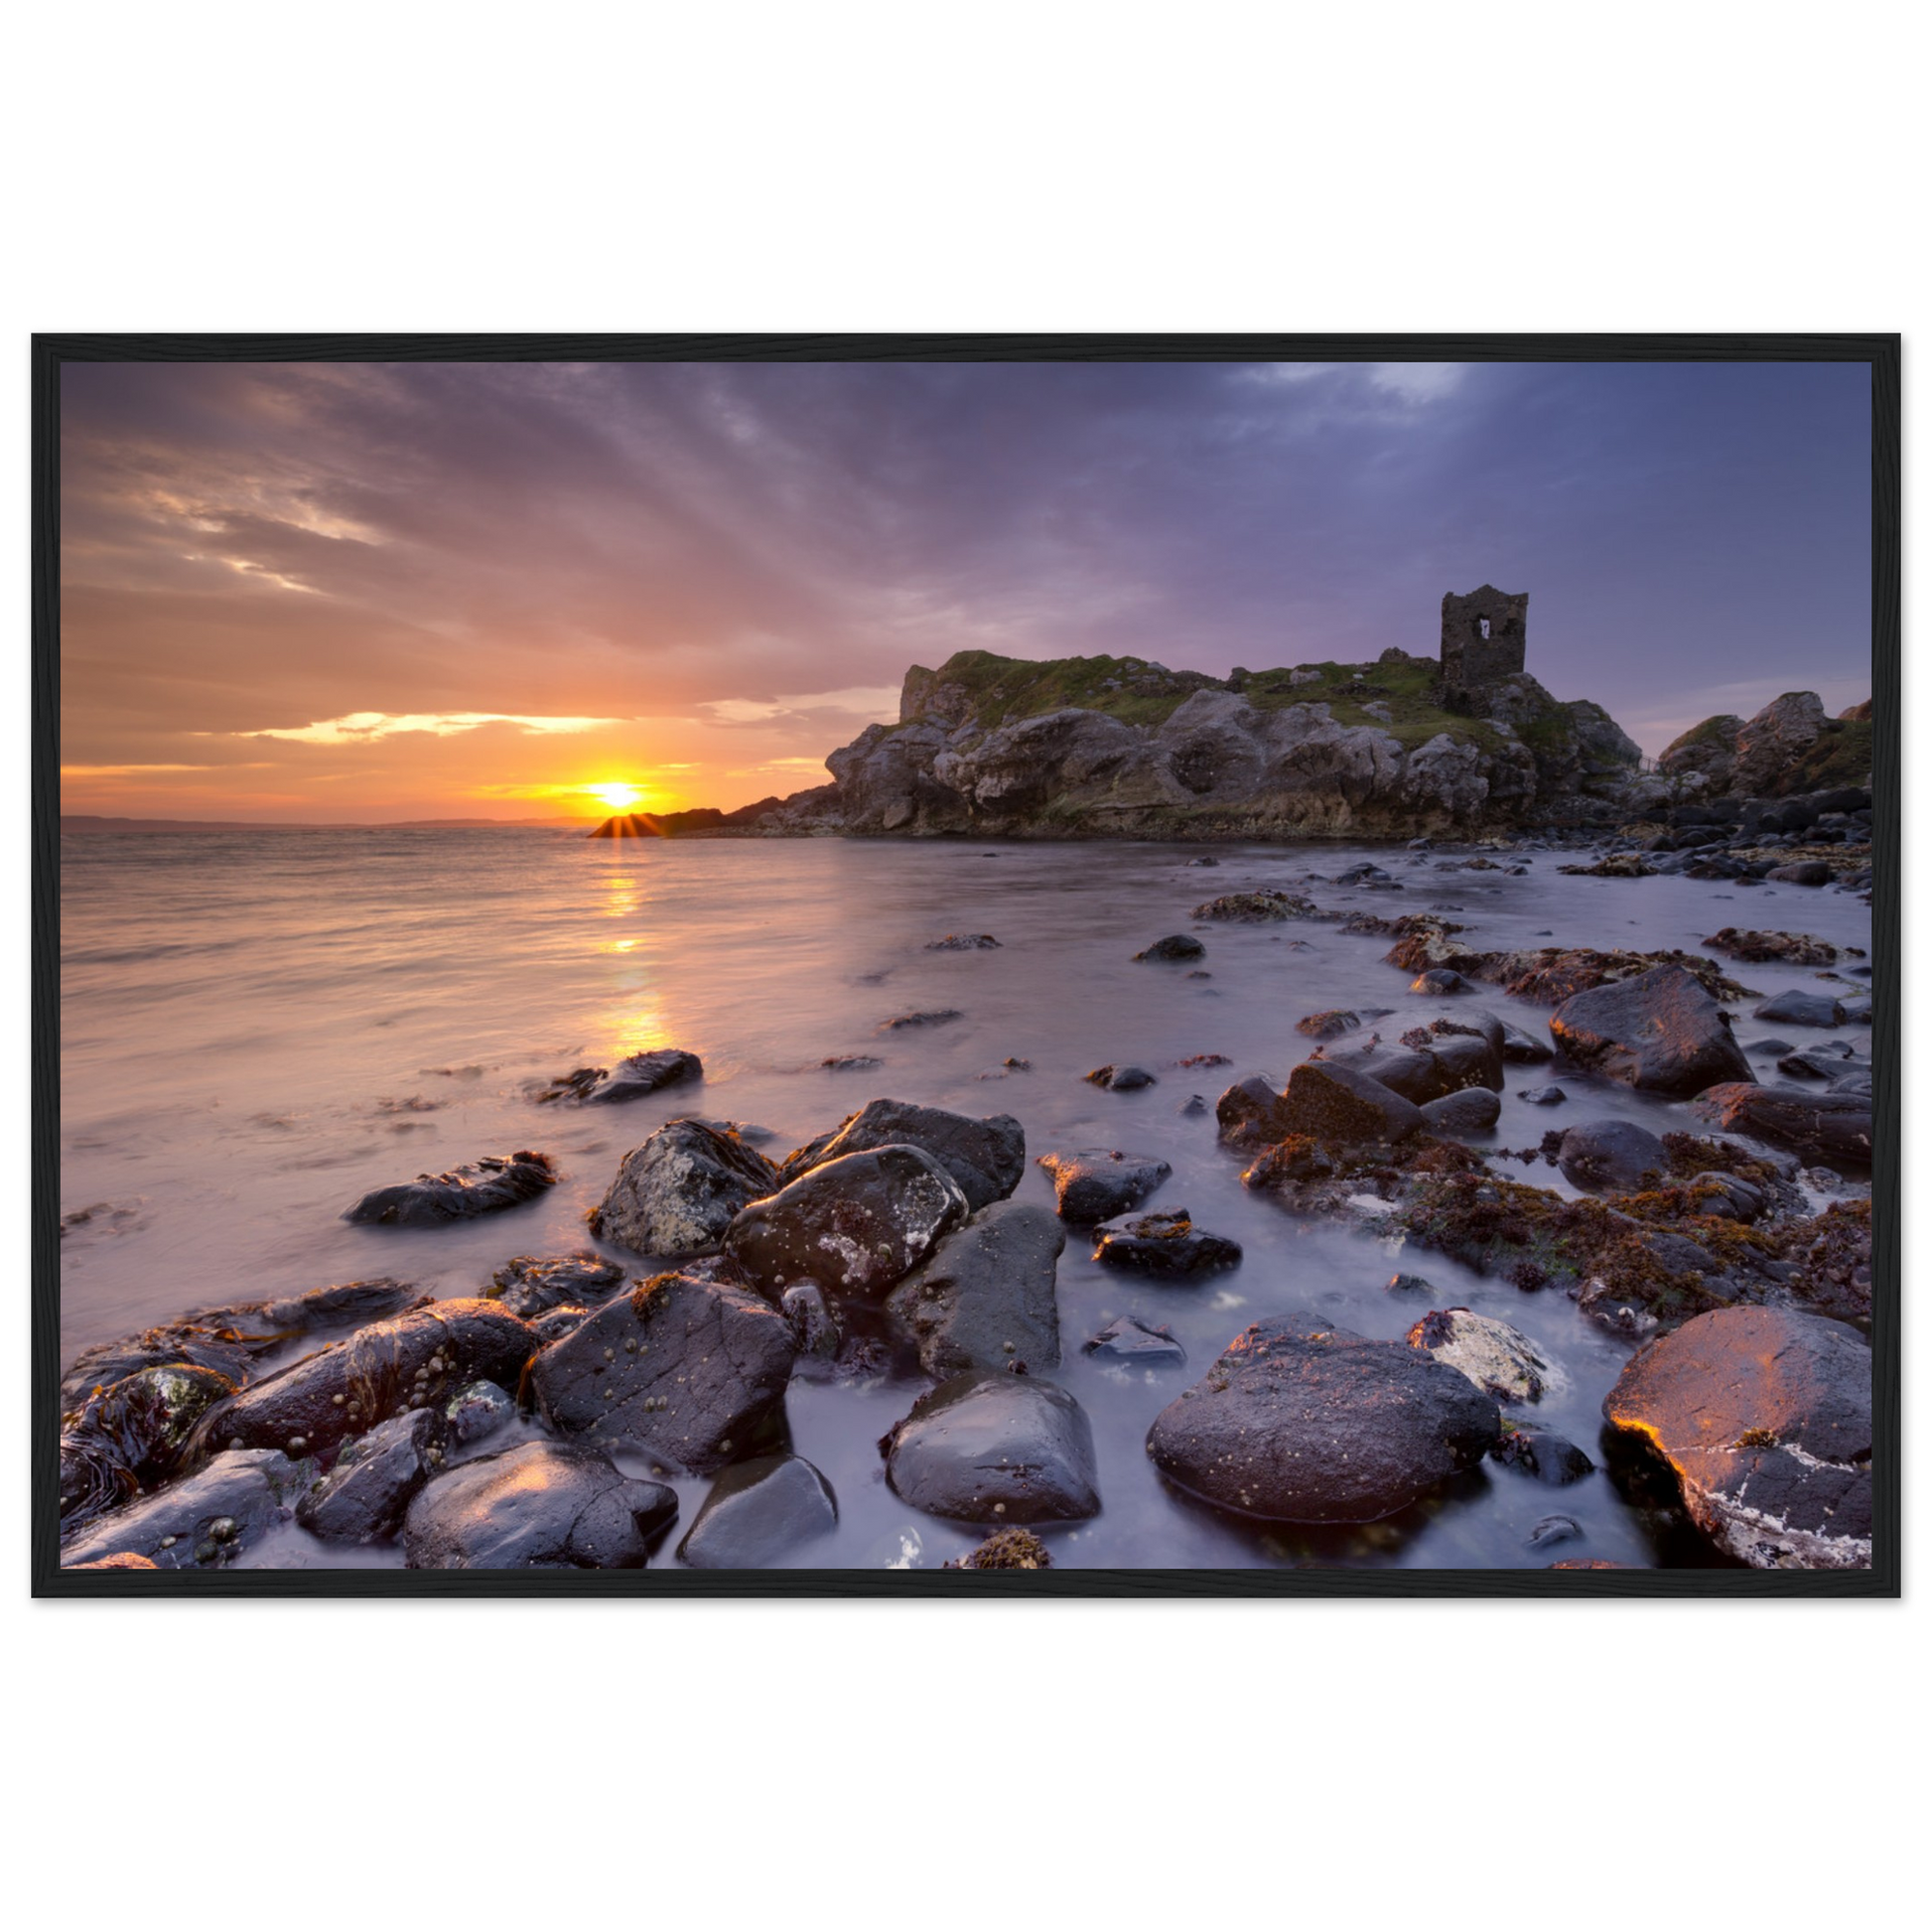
342,592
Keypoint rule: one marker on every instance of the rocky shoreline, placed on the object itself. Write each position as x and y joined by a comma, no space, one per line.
1732,1253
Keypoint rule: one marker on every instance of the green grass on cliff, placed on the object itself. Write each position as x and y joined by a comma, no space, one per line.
1137,693
1840,754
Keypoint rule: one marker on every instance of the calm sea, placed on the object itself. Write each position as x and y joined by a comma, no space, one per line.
258,1027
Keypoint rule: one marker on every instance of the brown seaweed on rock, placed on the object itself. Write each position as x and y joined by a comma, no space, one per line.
1550,974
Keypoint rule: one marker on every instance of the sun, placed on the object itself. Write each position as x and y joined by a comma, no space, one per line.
620,797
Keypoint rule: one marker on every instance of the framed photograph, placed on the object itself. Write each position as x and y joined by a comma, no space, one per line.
1253,965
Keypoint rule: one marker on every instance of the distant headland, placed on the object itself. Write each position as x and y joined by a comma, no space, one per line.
1465,742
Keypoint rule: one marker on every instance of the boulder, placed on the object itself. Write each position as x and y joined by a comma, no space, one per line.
1297,1422
538,1506
206,1521
1768,746
485,1187
1163,1243
687,1370
1612,1156
1441,981
1765,1416
531,1284
1129,1343
1177,945
342,1304
386,1369
1250,1114
985,1157
1833,1125
964,943
856,1226
1329,1024
991,1448
680,1191
1328,1101
1551,1096
1800,1009
133,1433
1501,1360
815,1327
987,1297
1523,1049
928,1017
362,1499
758,1512
1660,1031
642,1074
1543,1453
1472,1109
1803,872
1095,1183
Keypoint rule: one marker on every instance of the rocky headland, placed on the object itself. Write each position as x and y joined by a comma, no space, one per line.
992,747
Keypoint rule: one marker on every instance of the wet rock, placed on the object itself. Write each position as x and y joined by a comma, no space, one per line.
642,1074
680,1191
1177,945
1612,1156
1193,1106
1542,1453
815,1330
1806,871
1793,948
1472,1109
1799,1009
362,1499
985,1157
1120,1079
1331,1102
856,1226
132,1435
1772,1048
931,1017
477,1410
486,1186
1327,1026
538,1506
1501,1360
1831,1259
758,1512
314,1405
1095,1183
992,1447
1553,1529
206,1521
1129,1343
1522,1049
1016,1548
1321,1427
1660,1031
1551,1096
1831,1125
342,1304
685,1369
987,1297
964,943
1766,1418
126,1561
1829,1061
1252,1114
1441,981
557,1323
852,1062
1163,1243
1408,1285
1255,908
1728,1197
531,1285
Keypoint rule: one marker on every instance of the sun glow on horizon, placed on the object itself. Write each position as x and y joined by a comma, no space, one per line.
621,797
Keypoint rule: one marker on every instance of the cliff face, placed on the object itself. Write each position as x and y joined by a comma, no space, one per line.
1096,748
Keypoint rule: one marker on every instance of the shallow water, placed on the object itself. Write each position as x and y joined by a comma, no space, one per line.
259,1027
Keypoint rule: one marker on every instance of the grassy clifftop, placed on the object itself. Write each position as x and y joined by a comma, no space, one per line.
991,690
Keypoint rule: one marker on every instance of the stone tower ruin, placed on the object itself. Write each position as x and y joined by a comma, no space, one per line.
1483,637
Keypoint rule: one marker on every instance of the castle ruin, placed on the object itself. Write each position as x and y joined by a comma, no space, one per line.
1483,637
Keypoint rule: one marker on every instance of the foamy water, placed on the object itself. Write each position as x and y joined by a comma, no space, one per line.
257,1029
